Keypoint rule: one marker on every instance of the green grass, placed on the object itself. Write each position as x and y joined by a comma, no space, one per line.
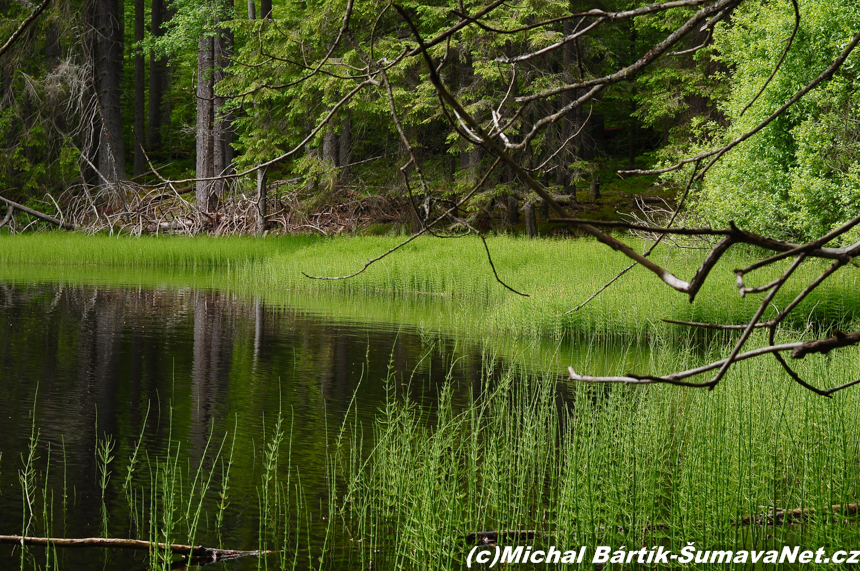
621,466
445,284
103,251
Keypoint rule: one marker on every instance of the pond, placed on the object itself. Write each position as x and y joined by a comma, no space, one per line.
185,367
195,415
187,370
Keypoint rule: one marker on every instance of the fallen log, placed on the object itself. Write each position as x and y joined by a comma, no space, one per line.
37,214
197,553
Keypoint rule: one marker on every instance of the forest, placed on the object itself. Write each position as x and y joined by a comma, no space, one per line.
359,284
196,116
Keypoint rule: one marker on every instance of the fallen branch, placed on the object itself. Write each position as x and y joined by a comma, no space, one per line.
197,553
37,214
10,211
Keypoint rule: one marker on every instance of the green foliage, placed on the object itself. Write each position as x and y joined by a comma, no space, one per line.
279,109
798,178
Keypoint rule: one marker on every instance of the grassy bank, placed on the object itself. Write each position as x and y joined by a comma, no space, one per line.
448,283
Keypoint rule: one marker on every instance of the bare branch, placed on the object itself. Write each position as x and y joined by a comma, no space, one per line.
12,204
424,229
799,350
23,26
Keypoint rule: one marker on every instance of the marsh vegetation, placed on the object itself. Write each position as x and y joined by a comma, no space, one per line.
214,396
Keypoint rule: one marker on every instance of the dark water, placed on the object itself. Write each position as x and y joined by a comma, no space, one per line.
184,369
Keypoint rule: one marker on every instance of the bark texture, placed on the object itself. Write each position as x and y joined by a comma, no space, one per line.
111,157
206,198
139,90
157,72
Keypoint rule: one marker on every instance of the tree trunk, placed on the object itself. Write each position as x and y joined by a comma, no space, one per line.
531,222
223,126
631,156
262,198
109,73
329,156
52,45
156,81
261,201
544,207
167,83
206,198
266,9
568,122
345,149
513,210
595,189
139,91
330,146
596,140
470,158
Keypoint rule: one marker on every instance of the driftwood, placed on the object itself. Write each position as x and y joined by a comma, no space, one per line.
196,553
37,214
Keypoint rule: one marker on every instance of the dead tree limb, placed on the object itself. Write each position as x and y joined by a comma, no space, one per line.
197,553
10,211
23,26
472,130
39,215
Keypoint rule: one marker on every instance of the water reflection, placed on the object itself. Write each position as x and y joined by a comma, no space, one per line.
188,368
79,363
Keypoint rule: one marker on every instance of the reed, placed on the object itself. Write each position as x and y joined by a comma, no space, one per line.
195,253
441,284
582,465
620,466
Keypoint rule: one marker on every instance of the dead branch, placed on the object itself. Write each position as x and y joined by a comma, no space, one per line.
23,26
12,204
197,553
798,350
10,211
